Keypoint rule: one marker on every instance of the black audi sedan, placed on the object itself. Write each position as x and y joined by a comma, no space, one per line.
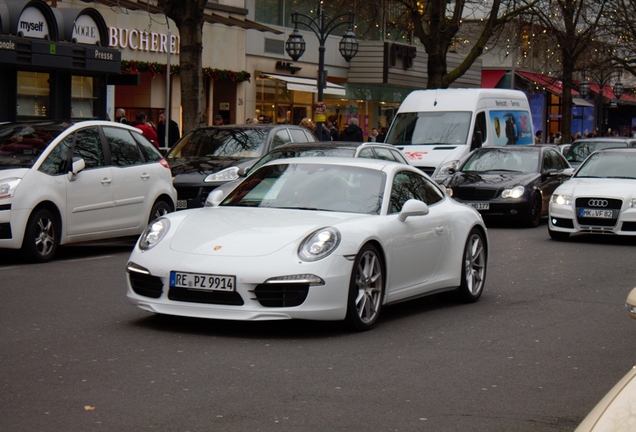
208,157
512,181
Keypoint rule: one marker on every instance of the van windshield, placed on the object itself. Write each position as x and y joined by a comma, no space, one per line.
430,128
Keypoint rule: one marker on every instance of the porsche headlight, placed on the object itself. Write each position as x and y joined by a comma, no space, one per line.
319,244
561,199
445,169
515,192
154,233
226,175
8,187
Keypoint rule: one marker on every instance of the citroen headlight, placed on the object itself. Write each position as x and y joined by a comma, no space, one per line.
225,175
319,244
561,199
154,233
515,192
8,187
445,169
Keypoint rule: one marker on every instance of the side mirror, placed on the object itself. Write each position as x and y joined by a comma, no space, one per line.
413,207
549,173
78,165
568,172
631,303
214,198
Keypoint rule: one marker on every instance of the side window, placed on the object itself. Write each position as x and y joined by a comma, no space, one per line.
384,154
480,126
56,162
298,135
281,137
548,162
148,150
559,162
310,137
408,185
399,157
123,148
88,146
366,153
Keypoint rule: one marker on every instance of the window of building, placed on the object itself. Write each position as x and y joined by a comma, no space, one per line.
82,97
33,95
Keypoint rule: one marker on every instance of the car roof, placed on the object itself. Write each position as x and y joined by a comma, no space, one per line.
376,164
605,140
332,144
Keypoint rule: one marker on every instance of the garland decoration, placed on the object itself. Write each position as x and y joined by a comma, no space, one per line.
155,68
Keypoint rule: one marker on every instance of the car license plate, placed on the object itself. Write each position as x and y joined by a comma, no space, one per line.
595,213
199,281
480,206
182,204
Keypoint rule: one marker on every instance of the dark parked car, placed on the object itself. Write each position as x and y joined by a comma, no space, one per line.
370,150
208,157
512,181
582,148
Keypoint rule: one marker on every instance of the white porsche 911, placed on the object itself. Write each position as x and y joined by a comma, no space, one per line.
312,238
600,198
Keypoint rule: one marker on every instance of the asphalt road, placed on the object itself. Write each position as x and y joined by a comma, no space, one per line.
549,337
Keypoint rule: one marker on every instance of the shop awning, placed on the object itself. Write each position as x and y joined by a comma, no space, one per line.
608,93
550,84
490,78
306,84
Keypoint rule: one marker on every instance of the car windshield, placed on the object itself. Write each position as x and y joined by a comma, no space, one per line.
22,144
213,142
495,159
609,165
311,187
430,128
309,152
579,151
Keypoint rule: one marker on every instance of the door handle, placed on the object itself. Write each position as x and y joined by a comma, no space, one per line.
106,181
145,176
439,229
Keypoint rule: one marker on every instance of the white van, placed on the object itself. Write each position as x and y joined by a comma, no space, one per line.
435,129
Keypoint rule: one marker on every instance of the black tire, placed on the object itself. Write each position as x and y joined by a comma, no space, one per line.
558,235
41,236
366,289
534,216
474,266
160,208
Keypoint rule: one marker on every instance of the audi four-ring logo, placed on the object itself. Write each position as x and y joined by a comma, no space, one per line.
597,203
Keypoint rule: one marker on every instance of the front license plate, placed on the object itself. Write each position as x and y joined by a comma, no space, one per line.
182,204
594,213
480,206
202,281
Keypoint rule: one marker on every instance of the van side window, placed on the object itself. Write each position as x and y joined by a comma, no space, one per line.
480,126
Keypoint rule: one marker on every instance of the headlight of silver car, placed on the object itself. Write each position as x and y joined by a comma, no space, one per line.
154,233
561,199
8,187
515,192
319,244
228,174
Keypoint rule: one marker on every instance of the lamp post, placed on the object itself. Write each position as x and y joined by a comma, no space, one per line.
322,25
602,78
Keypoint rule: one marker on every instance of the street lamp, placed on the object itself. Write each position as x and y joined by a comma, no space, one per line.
322,25
602,79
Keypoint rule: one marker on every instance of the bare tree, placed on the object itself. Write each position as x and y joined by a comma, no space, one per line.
188,15
620,33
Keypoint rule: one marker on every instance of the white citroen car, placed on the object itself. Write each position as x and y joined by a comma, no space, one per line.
63,183
316,238
600,198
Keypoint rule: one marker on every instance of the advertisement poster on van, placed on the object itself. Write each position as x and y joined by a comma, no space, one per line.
511,127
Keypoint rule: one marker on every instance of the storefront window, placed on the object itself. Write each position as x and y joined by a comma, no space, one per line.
82,97
33,95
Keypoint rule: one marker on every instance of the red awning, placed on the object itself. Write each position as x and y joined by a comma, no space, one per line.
550,84
490,78
608,93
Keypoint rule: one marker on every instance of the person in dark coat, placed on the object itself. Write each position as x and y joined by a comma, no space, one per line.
352,132
173,131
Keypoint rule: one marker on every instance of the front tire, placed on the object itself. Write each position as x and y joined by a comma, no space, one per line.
41,236
160,208
366,289
474,266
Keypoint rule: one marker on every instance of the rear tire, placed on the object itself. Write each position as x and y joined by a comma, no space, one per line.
474,266
160,208
41,236
366,289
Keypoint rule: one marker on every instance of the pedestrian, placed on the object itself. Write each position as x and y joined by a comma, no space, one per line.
173,131
352,132
381,135
538,137
307,124
218,120
252,120
324,134
558,138
120,116
373,136
333,129
141,123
